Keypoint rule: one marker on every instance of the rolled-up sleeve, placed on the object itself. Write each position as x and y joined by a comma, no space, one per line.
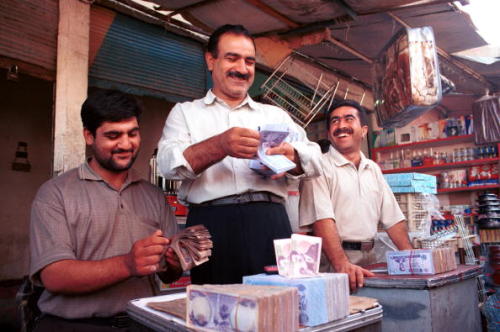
174,140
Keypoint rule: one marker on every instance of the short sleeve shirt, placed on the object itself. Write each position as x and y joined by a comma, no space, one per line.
356,198
78,216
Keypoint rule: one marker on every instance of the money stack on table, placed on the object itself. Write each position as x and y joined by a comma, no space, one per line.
323,297
421,261
242,308
193,246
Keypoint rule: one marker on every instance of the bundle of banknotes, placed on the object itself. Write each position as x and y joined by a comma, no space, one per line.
299,256
421,261
322,299
271,135
193,246
242,308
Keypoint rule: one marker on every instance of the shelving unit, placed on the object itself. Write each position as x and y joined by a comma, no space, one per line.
440,144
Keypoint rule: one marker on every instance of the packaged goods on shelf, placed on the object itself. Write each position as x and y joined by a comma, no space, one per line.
421,261
406,77
322,299
412,183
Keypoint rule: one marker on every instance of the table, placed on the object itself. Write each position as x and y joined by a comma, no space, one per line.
443,302
367,320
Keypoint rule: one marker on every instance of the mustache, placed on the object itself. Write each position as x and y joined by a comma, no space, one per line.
121,151
237,74
341,131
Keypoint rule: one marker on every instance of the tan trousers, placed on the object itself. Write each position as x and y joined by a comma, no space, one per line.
357,257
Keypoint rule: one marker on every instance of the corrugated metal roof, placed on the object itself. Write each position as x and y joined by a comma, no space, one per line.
28,31
146,57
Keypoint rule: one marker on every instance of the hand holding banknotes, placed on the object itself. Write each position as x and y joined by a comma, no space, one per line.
145,255
289,152
239,142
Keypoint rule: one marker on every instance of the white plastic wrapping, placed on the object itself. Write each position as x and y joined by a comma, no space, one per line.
406,77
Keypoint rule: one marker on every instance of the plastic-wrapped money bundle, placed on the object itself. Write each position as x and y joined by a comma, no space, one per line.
421,261
299,256
193,246
322,299
242,308
406,77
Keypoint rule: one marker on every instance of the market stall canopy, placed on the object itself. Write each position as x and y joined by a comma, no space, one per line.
345,36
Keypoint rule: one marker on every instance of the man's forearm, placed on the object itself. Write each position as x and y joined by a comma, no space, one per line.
399,236
332,244
79,277
201,156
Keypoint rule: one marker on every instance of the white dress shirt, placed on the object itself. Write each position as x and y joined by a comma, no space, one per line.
192,122
356,198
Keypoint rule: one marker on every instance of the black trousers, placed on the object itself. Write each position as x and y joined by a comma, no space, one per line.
242,235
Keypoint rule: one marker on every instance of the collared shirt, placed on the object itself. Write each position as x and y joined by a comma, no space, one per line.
356,198
78,216
192,122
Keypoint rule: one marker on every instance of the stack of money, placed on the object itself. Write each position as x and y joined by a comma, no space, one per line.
242,308
421,261
193,246
271,135
299,256
322,299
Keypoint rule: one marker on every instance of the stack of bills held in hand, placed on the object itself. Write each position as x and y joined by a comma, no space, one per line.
299,256
242,308
193,246
271,135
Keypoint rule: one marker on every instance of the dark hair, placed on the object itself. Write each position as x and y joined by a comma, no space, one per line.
108,105
213,42
324,145
363,118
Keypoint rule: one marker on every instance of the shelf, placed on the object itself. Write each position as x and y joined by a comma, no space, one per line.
475,162
430,143
450,190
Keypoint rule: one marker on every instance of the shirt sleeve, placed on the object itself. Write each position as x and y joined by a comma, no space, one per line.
50,237
174,140
309,152
390,212
315,201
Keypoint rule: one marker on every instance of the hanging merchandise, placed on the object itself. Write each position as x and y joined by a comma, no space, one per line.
406,77
486,111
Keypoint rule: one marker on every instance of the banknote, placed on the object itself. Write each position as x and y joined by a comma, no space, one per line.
271,135
241,307
193,246
299,256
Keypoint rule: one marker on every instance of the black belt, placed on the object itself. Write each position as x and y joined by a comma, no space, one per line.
249,197
120,320
363,245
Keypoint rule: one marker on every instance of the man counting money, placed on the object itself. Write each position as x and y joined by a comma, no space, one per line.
208,143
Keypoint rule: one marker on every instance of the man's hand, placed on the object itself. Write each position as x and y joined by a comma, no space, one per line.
356,274
172,260
288,151
240,142
144,257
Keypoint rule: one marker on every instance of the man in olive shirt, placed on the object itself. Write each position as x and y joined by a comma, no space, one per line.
99,231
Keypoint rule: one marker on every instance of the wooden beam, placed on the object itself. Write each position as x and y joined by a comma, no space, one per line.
272,12
348,48
464,68
186,8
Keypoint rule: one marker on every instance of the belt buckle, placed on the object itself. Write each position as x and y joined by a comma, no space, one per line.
366,246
